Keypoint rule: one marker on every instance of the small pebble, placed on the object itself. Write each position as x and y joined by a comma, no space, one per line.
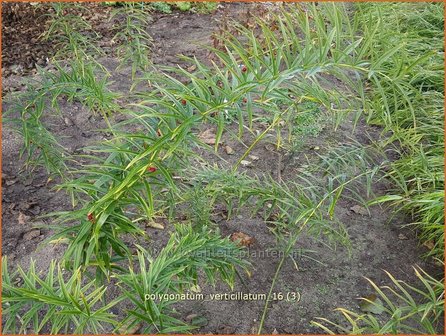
245,163
229,150
68,122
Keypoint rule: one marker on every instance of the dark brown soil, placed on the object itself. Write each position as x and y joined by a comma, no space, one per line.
336,281
23,26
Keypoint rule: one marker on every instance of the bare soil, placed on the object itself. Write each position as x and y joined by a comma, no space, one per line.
337,281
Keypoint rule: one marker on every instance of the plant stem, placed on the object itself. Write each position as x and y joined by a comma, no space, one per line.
273,283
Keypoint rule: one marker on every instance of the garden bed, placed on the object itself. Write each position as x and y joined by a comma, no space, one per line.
324,275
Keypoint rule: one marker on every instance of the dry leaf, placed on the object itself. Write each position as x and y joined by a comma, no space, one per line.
129,331
429,244
359,210
253,157
208,137
192,68
270,147
190,317
22,219
402,237
225,330
10,182
155,225
195,289
242,239
245,163
68,122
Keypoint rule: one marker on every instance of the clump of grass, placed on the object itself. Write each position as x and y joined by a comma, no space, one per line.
161,6
119,195
205,7
85,80
40,147
262,194
68,31
30,110
135,43
407,98
275,71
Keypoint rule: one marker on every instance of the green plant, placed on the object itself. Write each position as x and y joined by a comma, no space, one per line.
67,30
30,108
205,6
57,303
406,309
307,120
262,73
309,213
407,98
173,270
184,6
135,42
84,81
40,147
161,6
81,85
128,184
279,72
53,303
121,193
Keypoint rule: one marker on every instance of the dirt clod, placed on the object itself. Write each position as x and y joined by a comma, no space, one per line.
225,330
242,239
31,234
68,122
190,317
